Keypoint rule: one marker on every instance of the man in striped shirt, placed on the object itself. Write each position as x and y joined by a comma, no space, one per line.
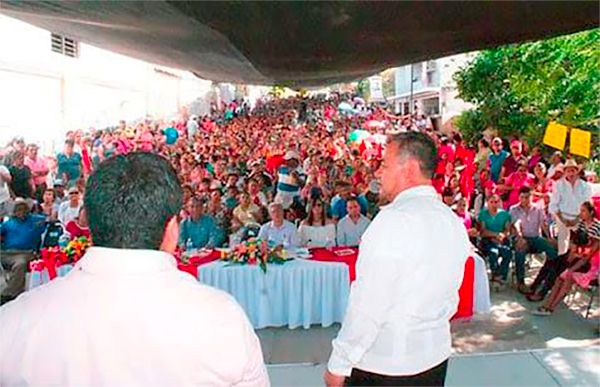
289,180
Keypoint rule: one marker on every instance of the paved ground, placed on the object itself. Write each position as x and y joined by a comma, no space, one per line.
548,367
509,327
507,347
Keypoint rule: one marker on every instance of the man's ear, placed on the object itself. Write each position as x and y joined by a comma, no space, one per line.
171,236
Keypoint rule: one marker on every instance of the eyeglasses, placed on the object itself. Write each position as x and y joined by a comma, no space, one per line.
73,193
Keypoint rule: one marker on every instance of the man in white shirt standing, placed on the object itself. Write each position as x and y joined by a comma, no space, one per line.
410,267
567,196
124,315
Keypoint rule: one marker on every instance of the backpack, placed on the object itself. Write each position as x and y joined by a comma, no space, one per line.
53,232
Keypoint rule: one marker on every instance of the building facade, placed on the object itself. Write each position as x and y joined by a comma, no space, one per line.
51,84
430,88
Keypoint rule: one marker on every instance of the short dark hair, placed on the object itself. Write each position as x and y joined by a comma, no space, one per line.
524,190
447,192
418,146
129,200
353,198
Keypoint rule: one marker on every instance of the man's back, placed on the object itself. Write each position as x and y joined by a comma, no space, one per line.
127,317
414,252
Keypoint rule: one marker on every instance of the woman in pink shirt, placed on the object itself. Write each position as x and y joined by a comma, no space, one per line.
516,180
542,186
145,140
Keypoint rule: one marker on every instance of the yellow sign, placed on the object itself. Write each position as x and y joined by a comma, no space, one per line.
581,142
556,135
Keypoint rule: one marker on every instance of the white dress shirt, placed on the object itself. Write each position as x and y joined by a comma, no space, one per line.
349,233
410,267
66,213
127,318
567,198
286,235
317,236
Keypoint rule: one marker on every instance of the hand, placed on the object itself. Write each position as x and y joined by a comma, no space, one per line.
333,380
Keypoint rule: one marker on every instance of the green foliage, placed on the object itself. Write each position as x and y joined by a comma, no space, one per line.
471,124
518,89
363,88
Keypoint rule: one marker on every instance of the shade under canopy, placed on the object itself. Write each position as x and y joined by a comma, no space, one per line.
300,43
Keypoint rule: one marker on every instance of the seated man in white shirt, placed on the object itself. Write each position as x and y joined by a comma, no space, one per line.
69,209
124,315
352,226
410,266
279,231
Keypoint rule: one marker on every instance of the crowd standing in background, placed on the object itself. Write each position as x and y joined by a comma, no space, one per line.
301,172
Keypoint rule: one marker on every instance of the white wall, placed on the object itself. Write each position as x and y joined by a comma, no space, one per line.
43,94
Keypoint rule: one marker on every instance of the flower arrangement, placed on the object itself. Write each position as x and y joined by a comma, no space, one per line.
255,252
52,257
76,248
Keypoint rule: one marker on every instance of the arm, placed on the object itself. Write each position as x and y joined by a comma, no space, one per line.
364,318
263,234
487,233
183,234
5,175
295,239
554,202
216,237
341,236
502,172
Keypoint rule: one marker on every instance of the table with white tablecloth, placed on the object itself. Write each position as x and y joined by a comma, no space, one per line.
297,293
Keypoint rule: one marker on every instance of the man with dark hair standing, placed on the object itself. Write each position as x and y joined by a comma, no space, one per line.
125,315
396,330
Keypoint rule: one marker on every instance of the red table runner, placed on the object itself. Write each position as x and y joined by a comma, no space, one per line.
347,255
191,266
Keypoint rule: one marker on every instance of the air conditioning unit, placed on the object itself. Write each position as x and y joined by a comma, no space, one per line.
431,66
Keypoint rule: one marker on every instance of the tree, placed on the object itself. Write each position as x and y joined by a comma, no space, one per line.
517,89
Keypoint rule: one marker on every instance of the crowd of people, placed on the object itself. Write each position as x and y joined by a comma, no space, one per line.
292,171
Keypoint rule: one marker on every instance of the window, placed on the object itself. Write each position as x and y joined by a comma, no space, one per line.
64,46
431,106
431,66
417,70
432,74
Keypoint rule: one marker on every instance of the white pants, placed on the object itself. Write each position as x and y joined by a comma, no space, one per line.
564,236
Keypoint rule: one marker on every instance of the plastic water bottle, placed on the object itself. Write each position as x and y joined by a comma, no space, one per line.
63,241
189,245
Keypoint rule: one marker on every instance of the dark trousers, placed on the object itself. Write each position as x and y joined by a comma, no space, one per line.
435,376
548,274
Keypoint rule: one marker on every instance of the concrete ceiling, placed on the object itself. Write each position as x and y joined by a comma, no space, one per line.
300,43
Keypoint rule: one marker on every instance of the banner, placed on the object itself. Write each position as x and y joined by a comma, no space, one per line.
581,142
376,88
556,135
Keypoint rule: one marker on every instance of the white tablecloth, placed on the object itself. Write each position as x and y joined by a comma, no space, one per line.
297,293
481,291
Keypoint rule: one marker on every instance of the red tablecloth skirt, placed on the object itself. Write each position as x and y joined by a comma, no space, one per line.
466,291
